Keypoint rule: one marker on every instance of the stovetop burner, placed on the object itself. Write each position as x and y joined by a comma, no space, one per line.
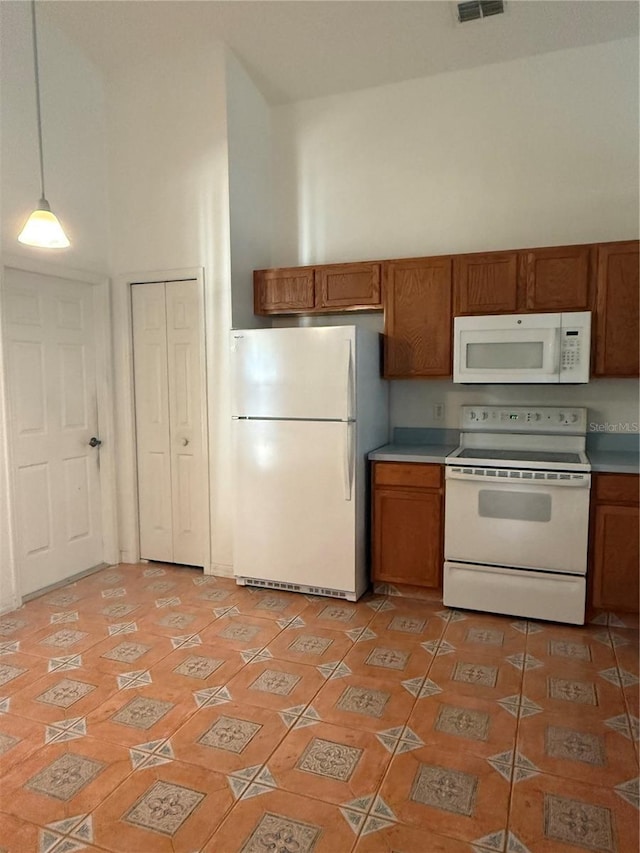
528,438
520,455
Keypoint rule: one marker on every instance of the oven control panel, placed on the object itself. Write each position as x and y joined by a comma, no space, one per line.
567,420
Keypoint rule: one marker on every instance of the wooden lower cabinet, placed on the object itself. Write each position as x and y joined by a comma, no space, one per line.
614,549
408,523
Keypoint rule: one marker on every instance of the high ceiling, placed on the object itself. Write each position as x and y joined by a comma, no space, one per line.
302,49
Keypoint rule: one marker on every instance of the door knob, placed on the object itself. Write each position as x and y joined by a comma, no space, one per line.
94,442
185,441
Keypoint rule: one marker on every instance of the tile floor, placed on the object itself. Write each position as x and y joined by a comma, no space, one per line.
149,708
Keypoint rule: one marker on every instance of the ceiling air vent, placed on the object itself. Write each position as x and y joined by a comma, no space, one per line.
475,10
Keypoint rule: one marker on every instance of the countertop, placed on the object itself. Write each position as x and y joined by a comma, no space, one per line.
603,459
614,461
412,453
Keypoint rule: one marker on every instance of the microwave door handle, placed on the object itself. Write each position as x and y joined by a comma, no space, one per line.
554,356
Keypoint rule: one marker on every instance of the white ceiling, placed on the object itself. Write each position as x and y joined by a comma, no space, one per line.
307,49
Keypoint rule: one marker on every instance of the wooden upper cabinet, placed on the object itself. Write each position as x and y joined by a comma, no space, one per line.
348,286
617,331
558,279
318,290
417,302
283,291
486,283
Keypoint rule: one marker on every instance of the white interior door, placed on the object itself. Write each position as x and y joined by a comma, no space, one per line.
50,348
294,518
167,347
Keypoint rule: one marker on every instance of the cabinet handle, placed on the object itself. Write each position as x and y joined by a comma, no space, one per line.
185,441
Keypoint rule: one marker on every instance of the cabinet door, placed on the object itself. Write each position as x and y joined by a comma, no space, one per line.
349,286
407,544
486,284
615,557
417,299
617,325
558,279
283,291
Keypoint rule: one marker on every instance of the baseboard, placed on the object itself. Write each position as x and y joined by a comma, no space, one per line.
221,570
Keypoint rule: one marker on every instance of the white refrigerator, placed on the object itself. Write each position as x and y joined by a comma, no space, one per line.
308,405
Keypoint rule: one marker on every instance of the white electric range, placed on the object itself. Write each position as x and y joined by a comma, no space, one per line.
517,512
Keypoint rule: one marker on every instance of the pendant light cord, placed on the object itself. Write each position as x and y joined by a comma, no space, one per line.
37,76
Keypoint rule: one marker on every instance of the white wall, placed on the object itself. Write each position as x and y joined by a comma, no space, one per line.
249,145
73,130
73,127
534,152
608,400
168,172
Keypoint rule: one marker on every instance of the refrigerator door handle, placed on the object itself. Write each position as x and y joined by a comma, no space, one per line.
348,460
349,384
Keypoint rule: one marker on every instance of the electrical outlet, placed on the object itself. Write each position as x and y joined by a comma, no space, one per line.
438,412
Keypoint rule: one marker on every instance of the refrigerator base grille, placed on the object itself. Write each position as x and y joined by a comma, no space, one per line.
296,587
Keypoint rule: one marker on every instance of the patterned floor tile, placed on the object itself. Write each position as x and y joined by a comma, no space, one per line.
550,813
175,621
389,839
303,645
233,630
64,693
385,658
18,670
453,721
484,636
18,834
338,615
268,604
190,667
363,702
329,762
275,684
55,640
574,692
144,713
166,807
19,738
229,736
118,653
579,748
182,685
64,779
564,651
409,620
476,676
282,821
455,794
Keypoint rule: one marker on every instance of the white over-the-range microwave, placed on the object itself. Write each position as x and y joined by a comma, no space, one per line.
524,348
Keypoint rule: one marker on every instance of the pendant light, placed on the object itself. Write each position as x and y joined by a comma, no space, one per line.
42,228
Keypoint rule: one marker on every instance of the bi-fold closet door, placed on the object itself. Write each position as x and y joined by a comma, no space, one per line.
168,370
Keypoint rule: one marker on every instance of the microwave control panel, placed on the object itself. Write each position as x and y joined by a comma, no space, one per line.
570,420
571,352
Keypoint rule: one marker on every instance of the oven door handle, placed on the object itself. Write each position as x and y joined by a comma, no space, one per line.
503,477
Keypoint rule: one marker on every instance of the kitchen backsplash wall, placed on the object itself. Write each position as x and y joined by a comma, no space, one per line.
612,403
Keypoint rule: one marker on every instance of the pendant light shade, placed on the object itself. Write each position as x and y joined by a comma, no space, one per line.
42,228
